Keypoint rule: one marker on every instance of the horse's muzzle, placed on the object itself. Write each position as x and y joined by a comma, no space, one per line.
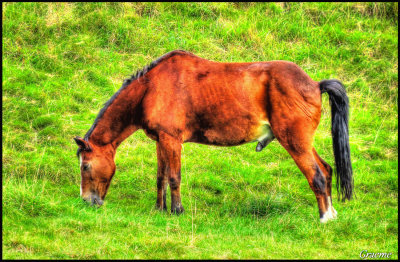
94,199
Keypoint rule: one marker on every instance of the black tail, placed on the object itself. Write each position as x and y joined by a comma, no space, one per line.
340,135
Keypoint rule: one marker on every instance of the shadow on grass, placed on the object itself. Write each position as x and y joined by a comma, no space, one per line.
260,208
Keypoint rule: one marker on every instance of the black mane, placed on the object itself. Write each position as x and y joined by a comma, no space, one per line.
128,81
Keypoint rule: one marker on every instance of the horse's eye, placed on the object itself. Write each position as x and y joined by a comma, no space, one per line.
86,167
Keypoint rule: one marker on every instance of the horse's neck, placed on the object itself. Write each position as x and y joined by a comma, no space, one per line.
120,117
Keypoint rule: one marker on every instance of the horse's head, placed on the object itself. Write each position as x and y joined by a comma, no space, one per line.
97,169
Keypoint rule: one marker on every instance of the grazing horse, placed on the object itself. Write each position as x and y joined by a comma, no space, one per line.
181,97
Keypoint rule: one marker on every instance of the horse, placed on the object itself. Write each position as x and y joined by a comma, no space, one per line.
181,97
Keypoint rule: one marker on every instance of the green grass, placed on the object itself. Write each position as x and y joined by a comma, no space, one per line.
62,62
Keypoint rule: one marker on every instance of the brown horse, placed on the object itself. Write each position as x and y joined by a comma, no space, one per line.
183,98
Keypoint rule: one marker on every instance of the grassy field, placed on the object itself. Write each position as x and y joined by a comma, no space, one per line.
63,61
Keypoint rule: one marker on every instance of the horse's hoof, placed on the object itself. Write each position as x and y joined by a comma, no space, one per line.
177,210
329,215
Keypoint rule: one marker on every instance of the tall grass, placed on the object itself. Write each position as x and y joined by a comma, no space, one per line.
62,61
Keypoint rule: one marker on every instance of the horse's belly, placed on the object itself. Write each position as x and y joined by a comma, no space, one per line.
233,133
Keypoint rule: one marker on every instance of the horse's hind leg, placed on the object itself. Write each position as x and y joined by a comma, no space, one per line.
296,136
317,181
327,171
169,171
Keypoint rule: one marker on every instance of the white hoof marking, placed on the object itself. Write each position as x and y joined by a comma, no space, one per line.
330,214
327,216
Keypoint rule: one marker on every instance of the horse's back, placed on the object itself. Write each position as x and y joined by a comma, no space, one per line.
215,103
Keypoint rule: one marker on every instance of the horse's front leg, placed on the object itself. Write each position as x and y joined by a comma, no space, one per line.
169,170
162,183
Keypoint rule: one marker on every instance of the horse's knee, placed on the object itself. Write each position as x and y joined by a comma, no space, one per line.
175,181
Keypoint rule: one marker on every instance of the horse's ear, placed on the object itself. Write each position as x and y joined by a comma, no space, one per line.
81,143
